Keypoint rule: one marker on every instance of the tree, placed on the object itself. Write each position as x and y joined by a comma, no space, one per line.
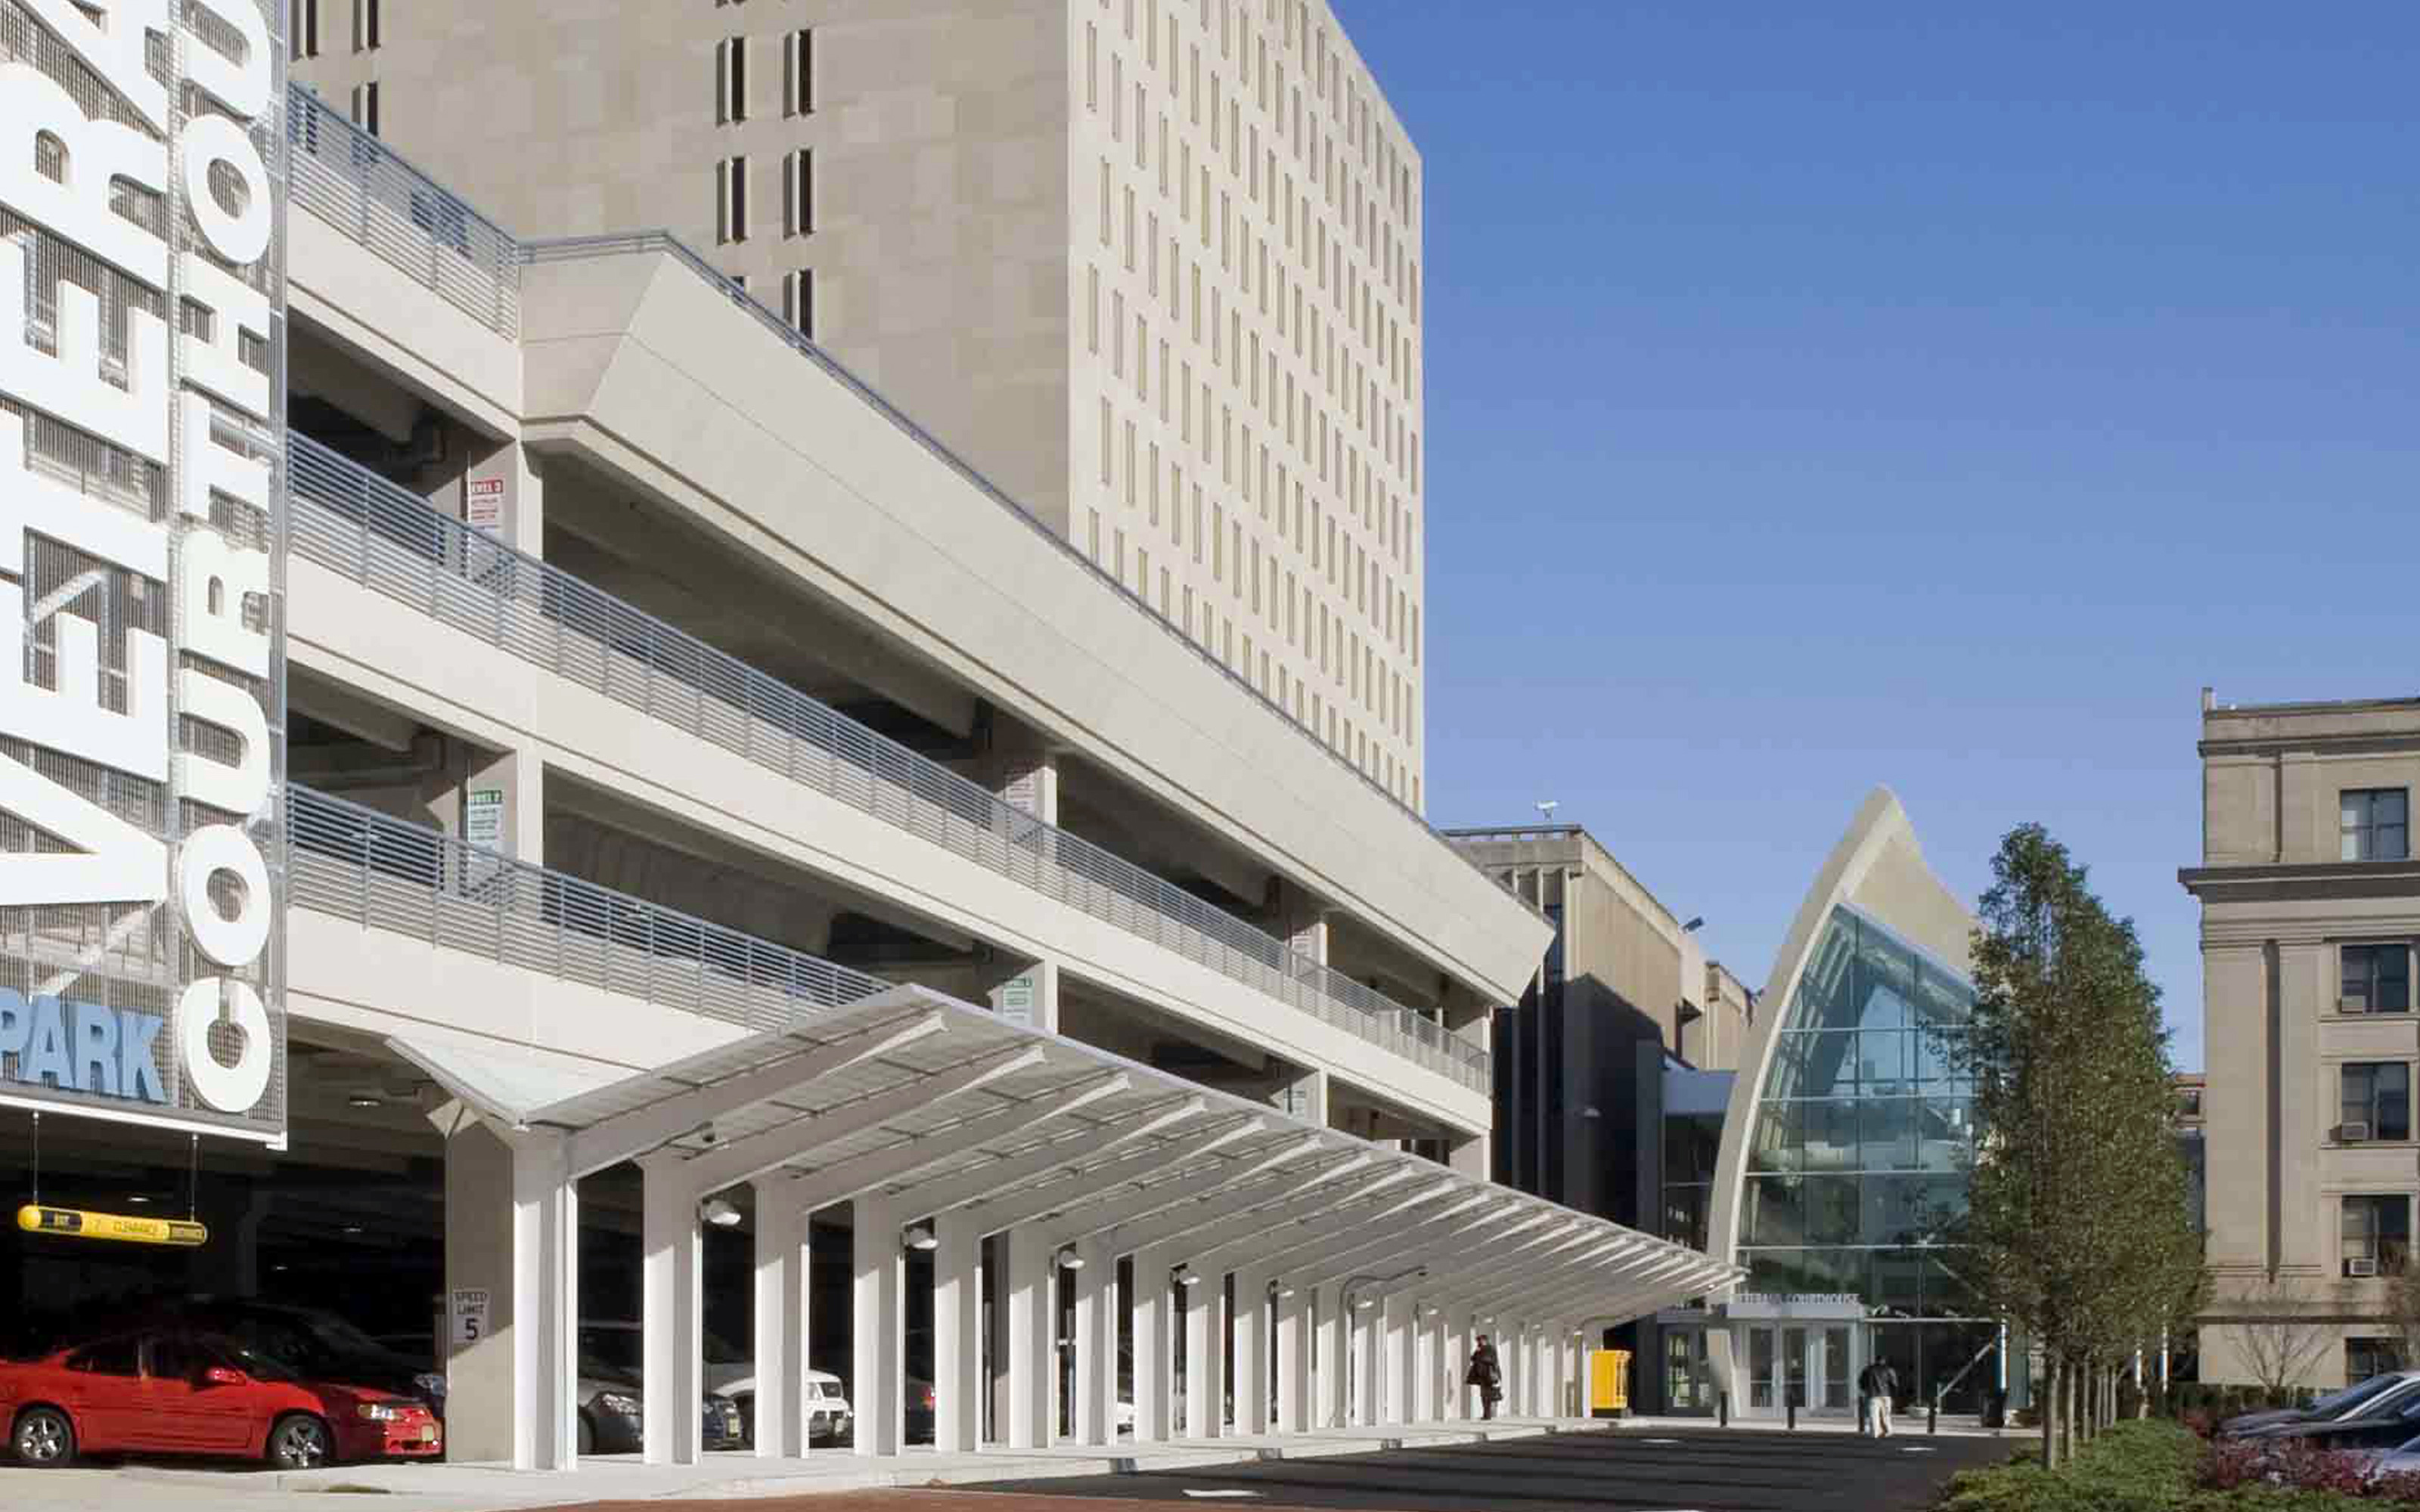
2077,1219
2272,1328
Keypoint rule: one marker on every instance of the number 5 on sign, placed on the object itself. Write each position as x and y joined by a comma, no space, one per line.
470,1310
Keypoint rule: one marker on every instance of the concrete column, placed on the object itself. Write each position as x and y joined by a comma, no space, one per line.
1031,997
1309,937
1550,1370
957,1336
671,1353
1457,1361
1335,1364
229,1264
1471,1156
1032,1365
878,1330
1250,1327
1403,1361
1027,779
513,782
778,1416
1369,1364
1205,1359
1096,1344
1508,1354
1304,1095
1521,1380
1155,1306
545,1306
1431,1405
1295,1380
504,495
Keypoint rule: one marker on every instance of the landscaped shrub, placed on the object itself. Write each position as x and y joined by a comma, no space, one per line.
2157,1466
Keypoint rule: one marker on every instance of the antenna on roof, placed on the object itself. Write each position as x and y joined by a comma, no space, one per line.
1547,807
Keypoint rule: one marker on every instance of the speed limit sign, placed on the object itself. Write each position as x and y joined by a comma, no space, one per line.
470,1310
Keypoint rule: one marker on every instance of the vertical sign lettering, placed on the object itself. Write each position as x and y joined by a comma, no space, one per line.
142,560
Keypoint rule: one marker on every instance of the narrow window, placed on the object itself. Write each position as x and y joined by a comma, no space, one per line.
731,199
365,106
731,79
365,25
799,193
798,73
306,28
798,302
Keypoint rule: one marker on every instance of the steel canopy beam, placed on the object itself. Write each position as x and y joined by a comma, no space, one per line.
729,1165
624,1136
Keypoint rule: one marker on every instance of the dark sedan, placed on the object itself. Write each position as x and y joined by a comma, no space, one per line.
2351,1400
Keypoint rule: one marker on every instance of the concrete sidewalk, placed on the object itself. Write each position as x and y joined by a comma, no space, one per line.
1906,1426
477,1487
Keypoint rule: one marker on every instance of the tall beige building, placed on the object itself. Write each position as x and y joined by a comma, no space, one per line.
2310,906
1153,267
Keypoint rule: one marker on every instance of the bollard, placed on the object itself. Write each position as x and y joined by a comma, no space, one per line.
1932,1417
1793,1413
1722,1409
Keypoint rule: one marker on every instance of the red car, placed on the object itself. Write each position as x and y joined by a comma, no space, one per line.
164,1392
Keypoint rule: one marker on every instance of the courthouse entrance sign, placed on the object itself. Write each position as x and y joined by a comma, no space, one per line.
142,561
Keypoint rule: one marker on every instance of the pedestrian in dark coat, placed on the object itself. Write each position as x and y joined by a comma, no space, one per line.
1486,1374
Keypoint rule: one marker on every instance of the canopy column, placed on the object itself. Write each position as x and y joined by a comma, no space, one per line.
1205,1360
1095,1282
544,1304
1250,1331
1295,1382
777,1418
671,1363
958,1382
878,1326
1031,1300
1335,1369
1402,1355
1155,1315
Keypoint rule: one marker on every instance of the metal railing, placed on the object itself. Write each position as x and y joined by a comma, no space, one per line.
357,184
572,249
389,539
386,873
362,188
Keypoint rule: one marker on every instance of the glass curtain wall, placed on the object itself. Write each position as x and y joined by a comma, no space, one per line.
1863,1136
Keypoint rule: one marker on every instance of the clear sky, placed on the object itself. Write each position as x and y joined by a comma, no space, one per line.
1823,395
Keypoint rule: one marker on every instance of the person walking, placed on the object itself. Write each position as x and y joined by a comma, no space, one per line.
1877,1388
1487,1375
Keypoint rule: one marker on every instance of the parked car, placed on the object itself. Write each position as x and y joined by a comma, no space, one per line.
613,1415
2386,1420
174,1392
731,1373
2335,1404
314,1343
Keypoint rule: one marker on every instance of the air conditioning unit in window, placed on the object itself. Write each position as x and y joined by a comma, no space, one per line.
2352,1134
2361,1268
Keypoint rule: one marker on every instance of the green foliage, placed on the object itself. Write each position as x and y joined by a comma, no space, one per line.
2078,1218
2134,1466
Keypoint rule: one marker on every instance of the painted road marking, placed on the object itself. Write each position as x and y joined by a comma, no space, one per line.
1209,1495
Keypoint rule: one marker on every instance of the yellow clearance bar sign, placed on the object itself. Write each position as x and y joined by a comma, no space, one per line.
73,1222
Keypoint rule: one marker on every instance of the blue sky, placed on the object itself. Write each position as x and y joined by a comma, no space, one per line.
1827,394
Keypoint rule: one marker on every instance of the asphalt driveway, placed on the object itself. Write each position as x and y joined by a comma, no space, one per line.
1704,1470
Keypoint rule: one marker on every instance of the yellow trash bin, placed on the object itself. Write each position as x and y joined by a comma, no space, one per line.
1608,1382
